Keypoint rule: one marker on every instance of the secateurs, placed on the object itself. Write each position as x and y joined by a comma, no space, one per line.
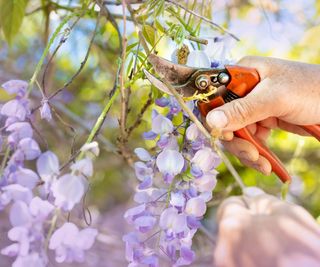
213,88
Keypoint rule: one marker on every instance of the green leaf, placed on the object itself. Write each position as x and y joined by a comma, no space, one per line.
159,26
11,16
149,34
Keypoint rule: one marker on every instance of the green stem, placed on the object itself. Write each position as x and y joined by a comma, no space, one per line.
46,51
4,160
52,226
100,120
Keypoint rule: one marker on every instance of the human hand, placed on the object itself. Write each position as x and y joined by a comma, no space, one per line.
265,231
287,96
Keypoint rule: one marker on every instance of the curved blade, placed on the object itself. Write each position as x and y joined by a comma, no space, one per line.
173,73
156,82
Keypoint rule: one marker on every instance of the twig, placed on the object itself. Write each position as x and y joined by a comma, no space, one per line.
82,64
63,39
100,120
123,115
46,51
205,133
203,18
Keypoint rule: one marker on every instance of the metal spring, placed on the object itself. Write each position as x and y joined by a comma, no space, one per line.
230,96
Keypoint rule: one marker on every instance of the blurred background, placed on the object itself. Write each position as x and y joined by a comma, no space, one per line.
280,28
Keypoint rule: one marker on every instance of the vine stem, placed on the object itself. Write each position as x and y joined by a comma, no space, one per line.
96,128
46,51
123,111
206,134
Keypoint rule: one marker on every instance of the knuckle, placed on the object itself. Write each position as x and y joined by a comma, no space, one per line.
241,111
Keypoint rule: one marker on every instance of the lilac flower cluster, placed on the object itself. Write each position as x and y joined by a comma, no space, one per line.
39,200
176,181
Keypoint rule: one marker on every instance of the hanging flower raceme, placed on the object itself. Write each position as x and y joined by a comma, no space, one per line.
176,181
36,198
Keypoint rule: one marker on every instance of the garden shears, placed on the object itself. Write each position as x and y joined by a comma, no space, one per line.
213,87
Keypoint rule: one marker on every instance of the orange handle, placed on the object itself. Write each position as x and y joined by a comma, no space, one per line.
277,166
314,130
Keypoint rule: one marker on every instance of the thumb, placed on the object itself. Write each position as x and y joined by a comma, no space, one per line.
232,116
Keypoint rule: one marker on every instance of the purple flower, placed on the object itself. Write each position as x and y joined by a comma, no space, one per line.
32,259
14,108
18,131
192,132
149,135
70,244
177,199
144,223
45,111
162,125
40,209
83,166
142,154
142,171
206,159
170,162
162,102
20,235
18,87
186,256
150,195
196,207
198,59
91,150
206,183
134,213
172,221
20,214
15,192
48,166
30,148
68,190
25,177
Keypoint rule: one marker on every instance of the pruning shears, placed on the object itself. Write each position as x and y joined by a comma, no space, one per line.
213,87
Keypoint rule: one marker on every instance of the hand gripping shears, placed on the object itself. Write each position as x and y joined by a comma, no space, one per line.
213,88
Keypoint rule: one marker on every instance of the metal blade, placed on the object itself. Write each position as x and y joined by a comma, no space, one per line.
156,82
173,73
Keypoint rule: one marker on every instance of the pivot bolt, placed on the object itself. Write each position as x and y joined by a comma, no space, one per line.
202,82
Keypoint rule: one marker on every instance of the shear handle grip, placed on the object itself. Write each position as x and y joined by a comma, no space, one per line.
276,164
243,80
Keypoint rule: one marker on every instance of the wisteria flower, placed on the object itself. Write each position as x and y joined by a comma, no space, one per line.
14,108
170,163
18,87
70,243
48,166
68,190
161,125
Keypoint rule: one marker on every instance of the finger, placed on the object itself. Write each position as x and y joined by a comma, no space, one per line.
256,106
292,128
262,165
273,123
227,136
242,149
262,133
261,64
232,207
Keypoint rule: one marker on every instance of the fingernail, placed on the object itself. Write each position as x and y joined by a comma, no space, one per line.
244,155
262,169
217,119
